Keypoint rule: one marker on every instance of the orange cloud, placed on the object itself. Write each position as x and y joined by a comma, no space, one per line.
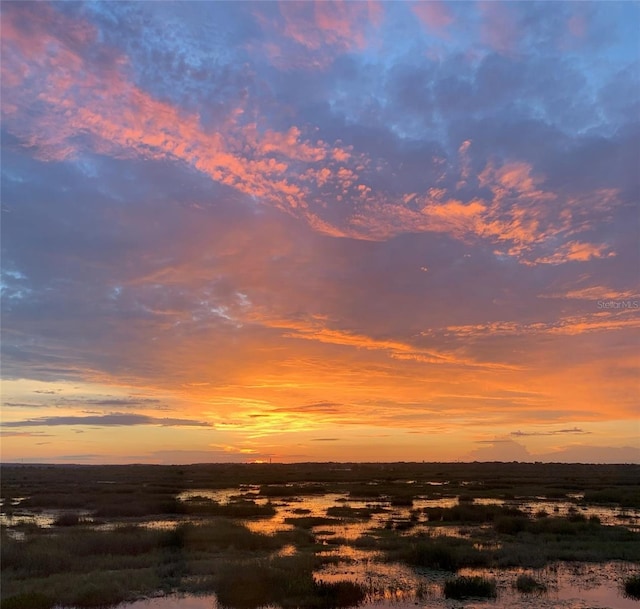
577,252
572,325
594,293
455,217
519,214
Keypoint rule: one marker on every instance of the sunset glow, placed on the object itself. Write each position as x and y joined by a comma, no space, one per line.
332,231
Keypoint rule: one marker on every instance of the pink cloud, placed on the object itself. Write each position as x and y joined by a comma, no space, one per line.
499,28
435,15
126,121
312,34
334,23
319,182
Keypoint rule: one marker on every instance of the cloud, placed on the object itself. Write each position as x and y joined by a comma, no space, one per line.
122,401
24,434
435,15
505,449
576,251
592,454
279,168
598,321
499,27
594,293
334,23
499,449
554,432
311,35
107,420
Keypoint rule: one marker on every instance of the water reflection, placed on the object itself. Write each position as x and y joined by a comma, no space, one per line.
393,586
208,601
569,585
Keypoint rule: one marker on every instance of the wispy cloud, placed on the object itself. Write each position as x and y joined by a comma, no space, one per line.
107,420
553,432
24,434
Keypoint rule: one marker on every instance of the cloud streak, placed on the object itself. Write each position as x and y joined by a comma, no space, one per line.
107,420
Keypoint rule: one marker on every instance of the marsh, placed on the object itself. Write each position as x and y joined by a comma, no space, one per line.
320,535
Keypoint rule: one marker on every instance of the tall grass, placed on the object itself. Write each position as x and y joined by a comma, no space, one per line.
632,587
468,587
233,509
528,585
445,553
285,581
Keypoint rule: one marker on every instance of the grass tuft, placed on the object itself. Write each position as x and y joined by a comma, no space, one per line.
528,584
631,587
67,519
466,587
284,581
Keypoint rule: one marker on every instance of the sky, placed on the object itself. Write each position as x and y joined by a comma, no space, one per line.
332,231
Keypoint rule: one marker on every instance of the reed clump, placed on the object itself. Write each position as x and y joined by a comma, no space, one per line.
632,587
469,587
529,585
284,581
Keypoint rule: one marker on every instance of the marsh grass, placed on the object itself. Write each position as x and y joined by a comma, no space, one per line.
75,564
468,512
223,534
285,581
308,522
624,496
469,587
346,511
529,585
443,553
28,600
91,589
242,508
560,539
293,490
85,567
67,519
513,541
632,587
75,486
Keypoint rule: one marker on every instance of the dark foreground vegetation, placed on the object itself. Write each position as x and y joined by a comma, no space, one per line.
632,587
101,548
465,587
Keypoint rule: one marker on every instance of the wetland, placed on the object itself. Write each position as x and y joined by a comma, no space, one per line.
321,536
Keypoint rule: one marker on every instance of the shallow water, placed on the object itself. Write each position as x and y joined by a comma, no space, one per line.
317,505
395,586
570,586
